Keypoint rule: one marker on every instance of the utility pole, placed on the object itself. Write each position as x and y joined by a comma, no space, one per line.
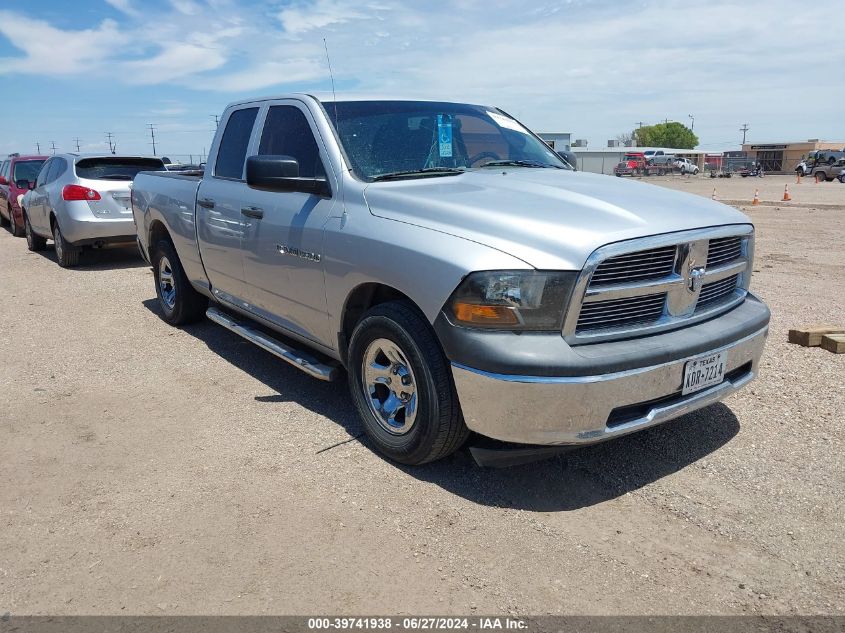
743,129
153,135
665,121
38,147
692,127
53,143
216,120
640,124
109,135
76,140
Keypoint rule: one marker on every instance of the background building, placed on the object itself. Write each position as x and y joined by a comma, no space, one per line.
783,157
559,141
602,160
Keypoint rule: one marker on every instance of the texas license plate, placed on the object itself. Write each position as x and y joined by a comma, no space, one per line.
704,371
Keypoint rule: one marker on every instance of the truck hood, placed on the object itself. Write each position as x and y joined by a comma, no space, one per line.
549,218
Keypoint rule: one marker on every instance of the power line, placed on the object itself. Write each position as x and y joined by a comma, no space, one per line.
743,129
153,135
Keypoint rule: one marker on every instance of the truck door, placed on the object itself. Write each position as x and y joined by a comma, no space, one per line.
283,236
220,224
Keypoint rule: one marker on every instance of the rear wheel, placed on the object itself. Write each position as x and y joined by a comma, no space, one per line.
16,229
178,300
820,177
402,387
66,254
3,220
33,242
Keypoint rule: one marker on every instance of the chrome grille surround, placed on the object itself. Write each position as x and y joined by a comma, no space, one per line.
683,286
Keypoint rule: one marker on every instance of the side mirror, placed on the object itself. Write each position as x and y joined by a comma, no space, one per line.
281,173
3,180
30,185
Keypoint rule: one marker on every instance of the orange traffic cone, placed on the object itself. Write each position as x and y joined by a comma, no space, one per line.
713,197
786,196
756,197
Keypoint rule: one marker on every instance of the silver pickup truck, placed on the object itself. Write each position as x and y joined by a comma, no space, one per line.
463,276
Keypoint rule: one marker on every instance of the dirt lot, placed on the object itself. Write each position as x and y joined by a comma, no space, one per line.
150,470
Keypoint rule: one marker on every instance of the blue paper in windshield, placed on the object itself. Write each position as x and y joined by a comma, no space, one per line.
444,135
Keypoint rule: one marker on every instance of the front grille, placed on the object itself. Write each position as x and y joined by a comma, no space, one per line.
628,291
723,250
614,313
716,291
640,266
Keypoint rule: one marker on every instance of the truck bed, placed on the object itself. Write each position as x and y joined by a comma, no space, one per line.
170,198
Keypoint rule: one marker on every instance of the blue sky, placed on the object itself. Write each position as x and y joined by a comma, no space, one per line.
593,68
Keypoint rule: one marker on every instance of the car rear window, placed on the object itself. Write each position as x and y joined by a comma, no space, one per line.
116,167
27,170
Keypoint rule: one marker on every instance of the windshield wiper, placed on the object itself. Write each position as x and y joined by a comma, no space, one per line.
520,163
433,171
115,177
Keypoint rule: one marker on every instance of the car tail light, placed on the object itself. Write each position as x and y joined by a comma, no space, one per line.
78,192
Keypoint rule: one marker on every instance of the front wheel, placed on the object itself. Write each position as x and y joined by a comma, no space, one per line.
402,386
178,300
34,242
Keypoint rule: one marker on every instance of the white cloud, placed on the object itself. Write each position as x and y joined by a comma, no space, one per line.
51,51
303,17
188,7
124,6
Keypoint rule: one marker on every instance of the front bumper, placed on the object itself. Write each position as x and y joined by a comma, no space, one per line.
586,409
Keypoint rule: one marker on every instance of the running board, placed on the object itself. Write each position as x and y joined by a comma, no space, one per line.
296,357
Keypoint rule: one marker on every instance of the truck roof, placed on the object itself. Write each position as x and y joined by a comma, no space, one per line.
328,97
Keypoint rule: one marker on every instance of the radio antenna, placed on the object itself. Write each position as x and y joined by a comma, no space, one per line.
331,76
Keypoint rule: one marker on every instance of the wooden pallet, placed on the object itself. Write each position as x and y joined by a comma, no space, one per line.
834,343
812,336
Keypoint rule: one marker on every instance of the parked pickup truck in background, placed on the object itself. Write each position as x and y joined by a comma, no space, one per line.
829,171
463,276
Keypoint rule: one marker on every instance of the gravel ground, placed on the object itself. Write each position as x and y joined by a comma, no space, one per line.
151,470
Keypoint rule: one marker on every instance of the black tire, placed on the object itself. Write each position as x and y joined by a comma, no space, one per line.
15,228
438,428
34,242
3,220
185,305
66,254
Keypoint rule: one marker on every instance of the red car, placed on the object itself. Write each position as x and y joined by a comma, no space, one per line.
16,174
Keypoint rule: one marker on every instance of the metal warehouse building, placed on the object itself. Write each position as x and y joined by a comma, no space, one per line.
602,160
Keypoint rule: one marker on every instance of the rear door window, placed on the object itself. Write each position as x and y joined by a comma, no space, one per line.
116,167
27,170
287,133
231,155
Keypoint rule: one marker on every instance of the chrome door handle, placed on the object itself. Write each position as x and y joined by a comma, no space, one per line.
252,212
206,203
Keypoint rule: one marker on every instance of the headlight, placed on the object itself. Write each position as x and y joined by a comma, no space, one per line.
512,300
